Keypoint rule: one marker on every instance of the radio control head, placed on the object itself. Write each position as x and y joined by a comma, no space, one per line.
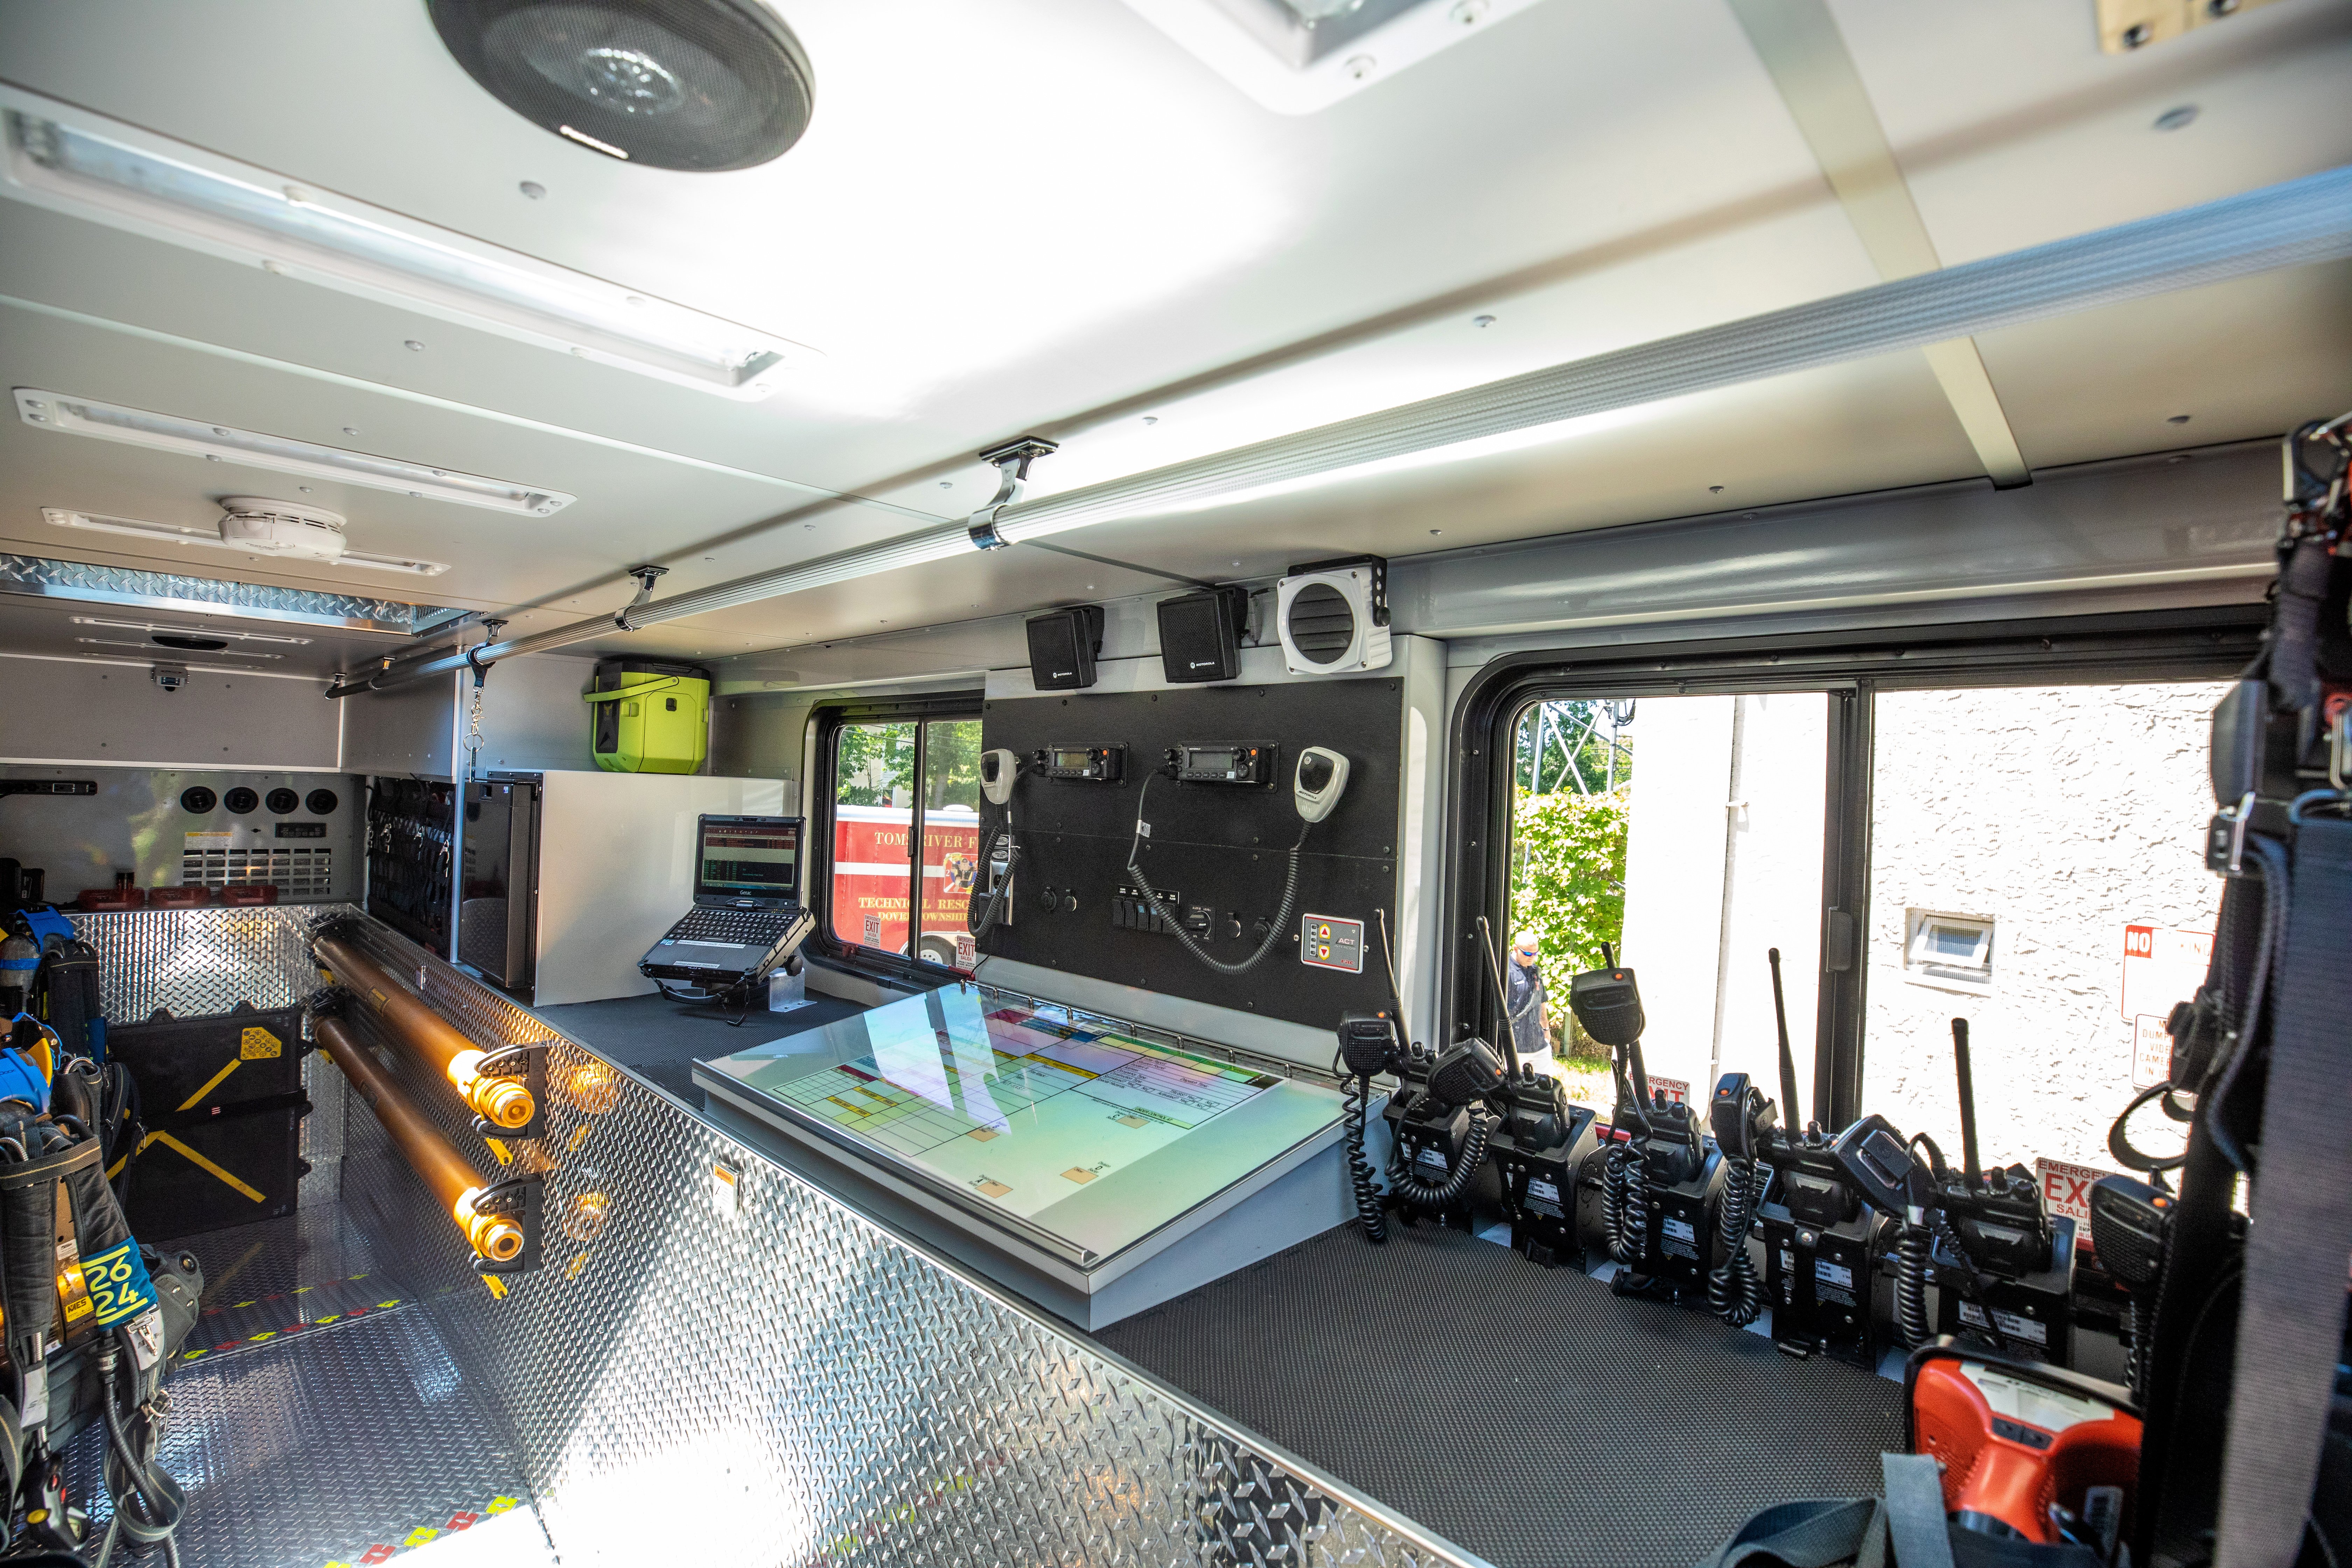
998,769
1318,781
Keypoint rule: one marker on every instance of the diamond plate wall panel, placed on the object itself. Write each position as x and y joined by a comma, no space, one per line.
198,962
797,1386
127,586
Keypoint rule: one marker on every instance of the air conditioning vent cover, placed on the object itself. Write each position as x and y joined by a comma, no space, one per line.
1333,617
698,85
270,527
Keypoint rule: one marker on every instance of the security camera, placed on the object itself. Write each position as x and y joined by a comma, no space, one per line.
170,677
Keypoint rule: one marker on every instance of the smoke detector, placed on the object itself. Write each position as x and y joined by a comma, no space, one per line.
268,527
1333,617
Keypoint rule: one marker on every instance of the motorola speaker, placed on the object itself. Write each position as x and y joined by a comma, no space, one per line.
698,85
1200,635
1333,617
1062,647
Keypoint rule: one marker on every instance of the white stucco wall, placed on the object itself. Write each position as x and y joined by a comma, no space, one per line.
2064,814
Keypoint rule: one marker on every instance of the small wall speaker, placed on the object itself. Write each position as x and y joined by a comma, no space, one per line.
1333,617
1062,647
1200,635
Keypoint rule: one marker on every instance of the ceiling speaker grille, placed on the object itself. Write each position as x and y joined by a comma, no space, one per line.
1321,623
674,84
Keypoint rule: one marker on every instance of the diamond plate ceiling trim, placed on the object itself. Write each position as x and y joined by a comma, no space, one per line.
35,577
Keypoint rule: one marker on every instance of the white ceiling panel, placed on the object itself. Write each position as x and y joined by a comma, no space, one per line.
1018,215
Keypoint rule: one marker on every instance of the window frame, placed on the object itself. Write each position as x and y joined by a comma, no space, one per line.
827,722
2201,643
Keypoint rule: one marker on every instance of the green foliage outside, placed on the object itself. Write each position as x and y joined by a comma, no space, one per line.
1568,882
874,761
1568,886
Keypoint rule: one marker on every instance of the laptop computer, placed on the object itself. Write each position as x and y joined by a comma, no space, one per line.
747,917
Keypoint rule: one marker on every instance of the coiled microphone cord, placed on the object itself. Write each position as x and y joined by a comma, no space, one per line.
1625,1204
981,913
1176,925
1355,1095
1437,1194
1734,1293
1911,1285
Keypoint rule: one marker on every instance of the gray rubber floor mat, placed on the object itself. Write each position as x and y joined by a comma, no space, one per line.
1527,1414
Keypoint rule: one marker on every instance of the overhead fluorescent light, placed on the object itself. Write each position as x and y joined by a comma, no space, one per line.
283,454
174,533
71,161
223,635
1296,57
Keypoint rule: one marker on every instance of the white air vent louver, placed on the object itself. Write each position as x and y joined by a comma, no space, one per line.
281,528
1333,617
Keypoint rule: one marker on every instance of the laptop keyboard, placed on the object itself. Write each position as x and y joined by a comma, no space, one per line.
752,928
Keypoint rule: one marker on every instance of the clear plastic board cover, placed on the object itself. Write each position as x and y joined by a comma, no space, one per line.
1048,1120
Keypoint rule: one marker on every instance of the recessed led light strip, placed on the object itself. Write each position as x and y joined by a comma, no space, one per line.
71,161
167,648
281,454
174,533
2287,225
223,635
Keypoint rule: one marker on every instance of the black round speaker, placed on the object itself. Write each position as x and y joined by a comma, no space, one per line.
1321,625
240,800
321,802
198,800
283,800
673,84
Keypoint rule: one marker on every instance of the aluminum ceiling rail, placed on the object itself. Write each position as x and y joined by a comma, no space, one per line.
2288,225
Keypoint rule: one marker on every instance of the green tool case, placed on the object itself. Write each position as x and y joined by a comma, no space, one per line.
649,716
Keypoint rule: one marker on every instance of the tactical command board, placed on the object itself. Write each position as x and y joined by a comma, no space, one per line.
1060,1138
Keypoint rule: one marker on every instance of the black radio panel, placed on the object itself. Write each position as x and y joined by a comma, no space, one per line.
1227,761
1221,841
1093,764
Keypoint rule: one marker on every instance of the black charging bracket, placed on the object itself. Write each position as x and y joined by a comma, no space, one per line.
529,1063
522,1199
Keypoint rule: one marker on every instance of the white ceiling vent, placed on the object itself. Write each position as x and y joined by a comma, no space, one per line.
281,528
1333,617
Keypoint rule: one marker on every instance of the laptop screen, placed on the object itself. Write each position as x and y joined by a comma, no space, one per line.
748,858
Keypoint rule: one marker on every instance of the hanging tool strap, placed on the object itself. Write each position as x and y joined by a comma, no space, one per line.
662,685
2291,1328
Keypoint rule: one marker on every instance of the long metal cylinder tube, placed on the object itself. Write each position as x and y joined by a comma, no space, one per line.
425,1033
436,1160
2287,225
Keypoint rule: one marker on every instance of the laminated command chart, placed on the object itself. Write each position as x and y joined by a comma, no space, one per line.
1019,1106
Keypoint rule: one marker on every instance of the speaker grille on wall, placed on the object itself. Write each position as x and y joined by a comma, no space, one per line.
1333,617
1320,624
674,84
1200,635
1062,647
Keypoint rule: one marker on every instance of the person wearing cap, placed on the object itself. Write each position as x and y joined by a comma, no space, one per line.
1524,1000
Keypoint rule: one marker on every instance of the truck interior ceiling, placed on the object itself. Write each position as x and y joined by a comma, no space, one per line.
1176,783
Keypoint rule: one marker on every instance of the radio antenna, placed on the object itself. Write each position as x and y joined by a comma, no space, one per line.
1788,1058
1968,1102
1502,997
